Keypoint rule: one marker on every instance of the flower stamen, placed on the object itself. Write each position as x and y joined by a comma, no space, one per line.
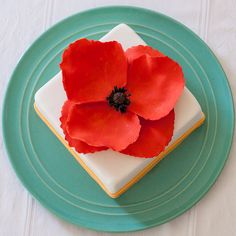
119,99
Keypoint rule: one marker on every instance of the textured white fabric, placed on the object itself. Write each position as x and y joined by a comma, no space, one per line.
21,22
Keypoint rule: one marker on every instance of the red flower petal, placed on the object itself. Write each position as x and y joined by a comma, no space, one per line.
91,69
140,50
153,138
155,84
97,124
79,146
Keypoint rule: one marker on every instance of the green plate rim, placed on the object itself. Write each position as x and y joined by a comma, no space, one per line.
209,184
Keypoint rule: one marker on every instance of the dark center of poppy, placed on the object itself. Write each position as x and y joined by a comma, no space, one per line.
119,99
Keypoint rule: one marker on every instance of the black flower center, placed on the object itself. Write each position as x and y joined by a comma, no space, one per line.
119,99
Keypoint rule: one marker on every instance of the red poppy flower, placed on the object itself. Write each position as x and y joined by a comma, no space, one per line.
119,100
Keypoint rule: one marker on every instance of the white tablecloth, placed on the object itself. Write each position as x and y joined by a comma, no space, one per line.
21,22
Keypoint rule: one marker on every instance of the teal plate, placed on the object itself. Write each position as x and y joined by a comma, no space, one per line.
57,181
